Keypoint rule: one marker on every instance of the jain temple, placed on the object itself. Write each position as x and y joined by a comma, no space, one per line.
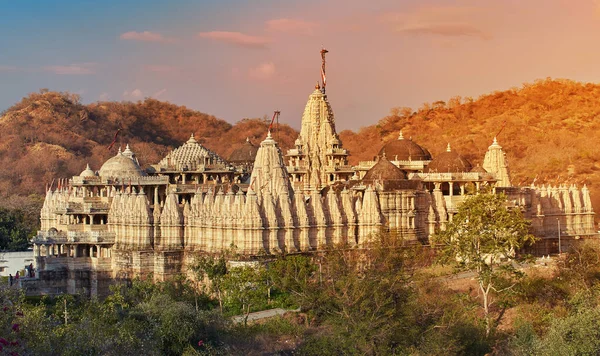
122,221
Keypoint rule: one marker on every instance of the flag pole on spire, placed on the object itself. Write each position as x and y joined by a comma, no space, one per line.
323,77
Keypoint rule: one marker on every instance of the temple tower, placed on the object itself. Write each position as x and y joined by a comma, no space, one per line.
495,162
318,159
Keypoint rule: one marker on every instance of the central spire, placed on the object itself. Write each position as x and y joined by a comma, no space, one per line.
323,77
318,159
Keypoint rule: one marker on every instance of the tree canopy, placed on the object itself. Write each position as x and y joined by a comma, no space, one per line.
484,237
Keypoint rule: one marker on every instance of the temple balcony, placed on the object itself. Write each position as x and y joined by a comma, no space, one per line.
294,152
68,237
451,177
337,151
345,168
86,228
150,180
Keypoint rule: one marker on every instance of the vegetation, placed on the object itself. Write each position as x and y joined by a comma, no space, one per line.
15,231
484,237
380,301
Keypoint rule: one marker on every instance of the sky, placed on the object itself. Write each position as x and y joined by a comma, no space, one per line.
238,59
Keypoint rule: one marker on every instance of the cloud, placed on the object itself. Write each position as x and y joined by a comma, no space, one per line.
104,97
8,68
158,68
264,71
145,36
445,21
72,69
236,38
159,93
297,27
443,29
135,94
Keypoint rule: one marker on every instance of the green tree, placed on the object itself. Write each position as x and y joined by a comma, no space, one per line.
215,270
484,237
14,230
245,287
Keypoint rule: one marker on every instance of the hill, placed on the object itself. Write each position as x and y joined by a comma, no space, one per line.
550,132
550,135
49,135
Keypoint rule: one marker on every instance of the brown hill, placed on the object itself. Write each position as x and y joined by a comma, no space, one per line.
52,135
550,135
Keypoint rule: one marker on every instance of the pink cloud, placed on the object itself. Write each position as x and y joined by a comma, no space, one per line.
159,68
298,27
7,68
145,36
443,29
236,38
448,21
72,69
263,71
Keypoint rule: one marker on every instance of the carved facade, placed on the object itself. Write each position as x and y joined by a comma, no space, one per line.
123,221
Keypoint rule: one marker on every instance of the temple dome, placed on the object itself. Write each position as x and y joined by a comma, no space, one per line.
384,170
404,150
244,154
121,166
191,156
87,172
449,162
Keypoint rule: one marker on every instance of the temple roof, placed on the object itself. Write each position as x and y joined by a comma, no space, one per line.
384,170
404,150
478,169
190,156
87,172
449,162
121,166
244,154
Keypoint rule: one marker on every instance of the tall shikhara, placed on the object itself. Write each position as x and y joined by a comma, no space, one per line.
318,158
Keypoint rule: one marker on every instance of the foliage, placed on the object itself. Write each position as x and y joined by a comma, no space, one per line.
244,287
15,231
582,264
483,237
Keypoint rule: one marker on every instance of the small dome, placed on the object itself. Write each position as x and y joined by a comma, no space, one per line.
87,172
384,170
121,166
244,154
404,150
449,162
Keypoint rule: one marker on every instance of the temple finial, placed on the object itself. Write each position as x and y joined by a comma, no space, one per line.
448,149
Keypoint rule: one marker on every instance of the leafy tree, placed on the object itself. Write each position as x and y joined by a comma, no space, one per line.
14,230
484,237
293,274
215,270
245,287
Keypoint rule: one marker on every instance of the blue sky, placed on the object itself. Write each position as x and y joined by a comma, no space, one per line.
237,59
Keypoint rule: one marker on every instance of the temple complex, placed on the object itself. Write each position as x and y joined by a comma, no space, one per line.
123,221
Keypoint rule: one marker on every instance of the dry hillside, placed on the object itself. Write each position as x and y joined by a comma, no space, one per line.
549,135
52,135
